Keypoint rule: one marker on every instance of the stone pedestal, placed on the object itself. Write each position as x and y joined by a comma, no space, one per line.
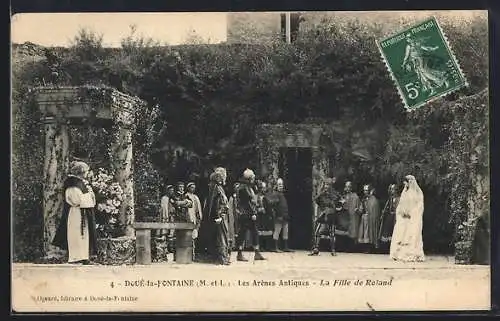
116,251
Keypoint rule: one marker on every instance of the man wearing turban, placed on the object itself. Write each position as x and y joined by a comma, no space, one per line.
247,220
213,236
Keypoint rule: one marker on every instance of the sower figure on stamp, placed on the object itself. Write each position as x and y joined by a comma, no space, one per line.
247,205
388,218
77,230
416,59
325,223
194,212
370,220
279,205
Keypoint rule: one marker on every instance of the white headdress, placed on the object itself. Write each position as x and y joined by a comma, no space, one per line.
248,173
411,197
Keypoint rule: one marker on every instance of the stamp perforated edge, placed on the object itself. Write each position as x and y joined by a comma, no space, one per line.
450,51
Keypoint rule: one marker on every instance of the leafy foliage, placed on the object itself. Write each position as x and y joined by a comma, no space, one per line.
109,197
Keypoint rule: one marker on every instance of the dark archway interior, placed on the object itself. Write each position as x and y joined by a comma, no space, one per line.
295,167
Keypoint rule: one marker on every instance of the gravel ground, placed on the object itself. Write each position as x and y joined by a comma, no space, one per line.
284,282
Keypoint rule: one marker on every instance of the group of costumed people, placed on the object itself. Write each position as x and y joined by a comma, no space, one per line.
222,223
226,221
398,226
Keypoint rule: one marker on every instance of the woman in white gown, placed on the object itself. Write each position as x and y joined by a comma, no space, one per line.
407,243
77,230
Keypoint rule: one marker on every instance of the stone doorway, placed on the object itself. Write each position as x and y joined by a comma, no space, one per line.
295,167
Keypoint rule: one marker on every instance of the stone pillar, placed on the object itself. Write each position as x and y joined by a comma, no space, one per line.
54,172
122,163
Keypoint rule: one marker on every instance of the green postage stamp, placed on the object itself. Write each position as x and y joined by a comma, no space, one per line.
421,63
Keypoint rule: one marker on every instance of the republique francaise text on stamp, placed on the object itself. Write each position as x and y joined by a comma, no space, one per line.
421,63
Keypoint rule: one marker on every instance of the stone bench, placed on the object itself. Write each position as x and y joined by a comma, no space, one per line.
183,244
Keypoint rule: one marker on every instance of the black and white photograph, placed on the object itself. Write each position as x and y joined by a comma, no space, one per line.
250,161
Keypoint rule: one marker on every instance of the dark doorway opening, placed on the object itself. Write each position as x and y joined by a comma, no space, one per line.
295,167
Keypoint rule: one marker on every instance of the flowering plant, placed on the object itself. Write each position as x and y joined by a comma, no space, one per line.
109,198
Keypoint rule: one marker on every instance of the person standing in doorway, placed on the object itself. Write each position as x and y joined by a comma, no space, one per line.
370,220
77,229
388,218
352,204
281,218
247,207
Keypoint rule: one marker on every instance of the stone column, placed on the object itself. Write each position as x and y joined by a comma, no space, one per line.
54,171
122,163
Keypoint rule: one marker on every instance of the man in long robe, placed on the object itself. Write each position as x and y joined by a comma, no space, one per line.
214,225
352,204
370,220
77,230
388,218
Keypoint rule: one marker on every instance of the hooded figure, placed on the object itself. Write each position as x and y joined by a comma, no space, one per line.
77,230
407,243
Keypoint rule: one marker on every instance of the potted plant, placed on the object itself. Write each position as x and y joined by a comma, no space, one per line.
113,248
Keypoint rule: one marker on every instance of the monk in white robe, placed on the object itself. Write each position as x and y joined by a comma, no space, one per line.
77,229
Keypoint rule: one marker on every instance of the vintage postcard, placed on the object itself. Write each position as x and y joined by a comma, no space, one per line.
250,161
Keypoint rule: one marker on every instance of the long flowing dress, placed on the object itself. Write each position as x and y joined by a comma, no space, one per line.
370,220
77,231
407,242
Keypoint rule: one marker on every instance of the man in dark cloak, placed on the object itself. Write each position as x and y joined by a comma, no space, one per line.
388,218
214,230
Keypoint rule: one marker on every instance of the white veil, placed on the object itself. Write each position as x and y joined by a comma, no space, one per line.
412,197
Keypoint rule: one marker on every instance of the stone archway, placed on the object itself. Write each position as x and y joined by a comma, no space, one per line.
272,138
61,107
